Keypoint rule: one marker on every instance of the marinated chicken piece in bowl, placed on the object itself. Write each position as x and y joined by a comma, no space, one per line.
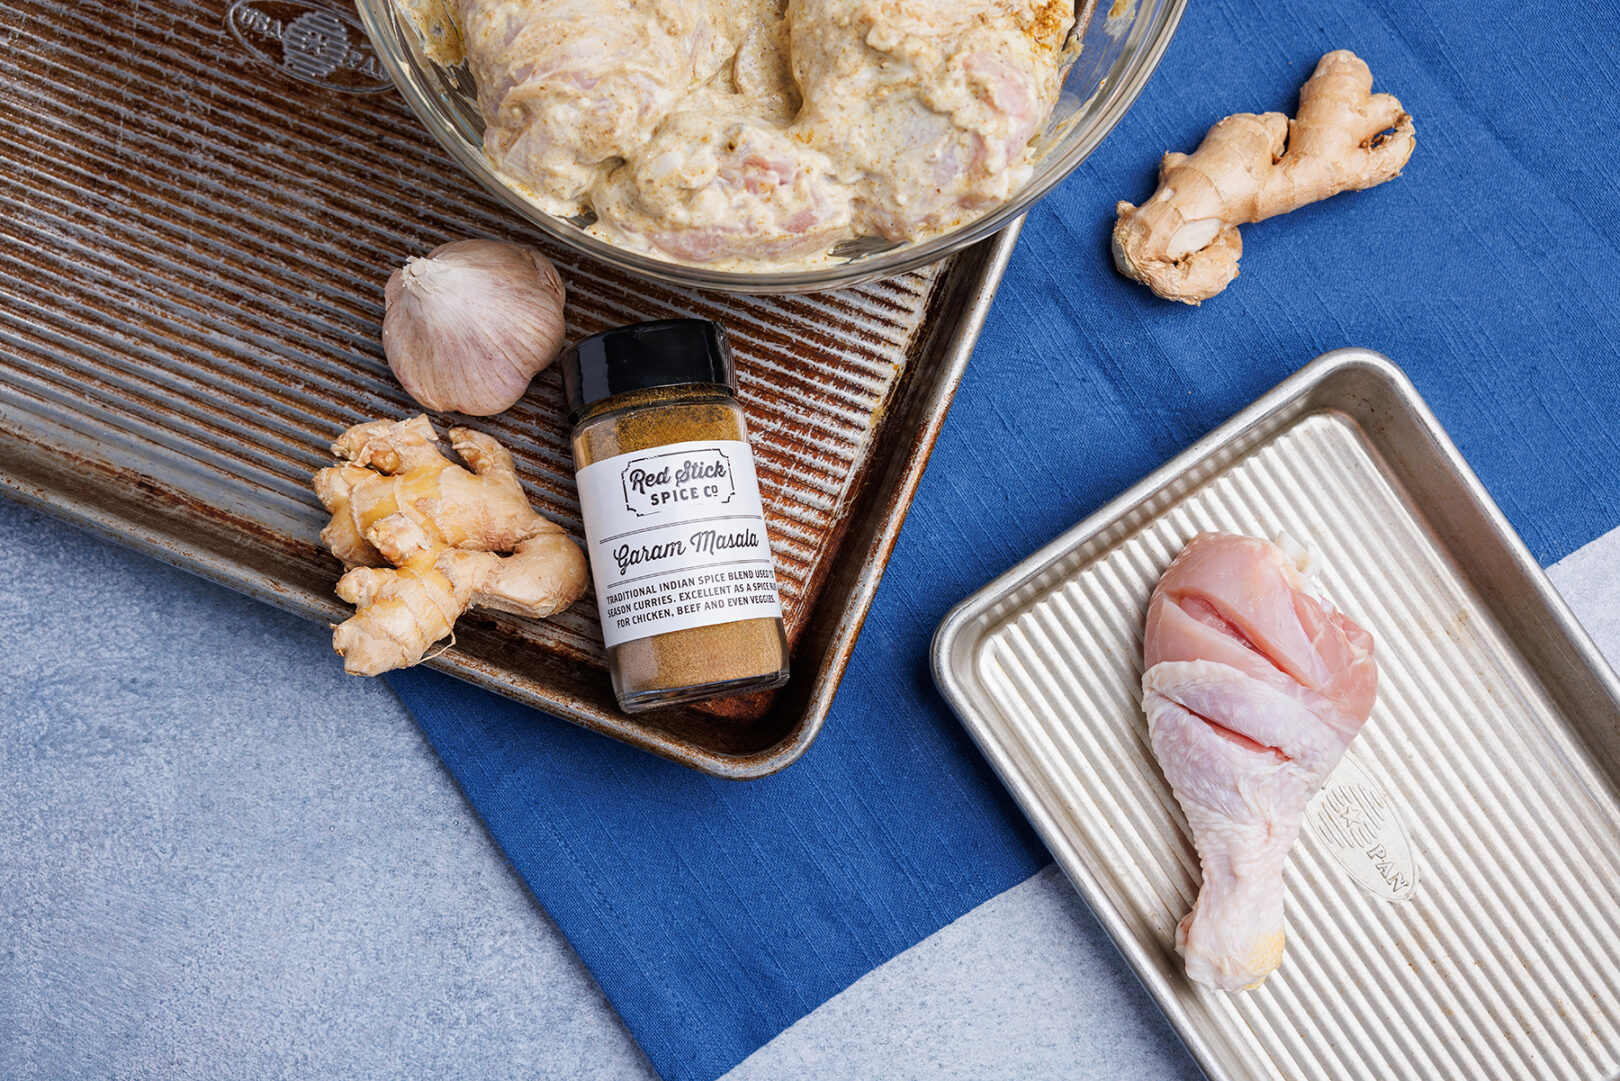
760,134
929,106
568,88
709,186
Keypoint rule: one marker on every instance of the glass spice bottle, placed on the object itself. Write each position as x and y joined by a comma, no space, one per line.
674,525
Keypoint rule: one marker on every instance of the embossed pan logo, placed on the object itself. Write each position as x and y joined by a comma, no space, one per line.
1356,822
317,44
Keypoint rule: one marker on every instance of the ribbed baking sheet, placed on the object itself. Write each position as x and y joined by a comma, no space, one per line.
199,205
1454,900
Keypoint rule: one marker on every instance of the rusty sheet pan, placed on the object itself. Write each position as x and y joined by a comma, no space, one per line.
1454,898
199,205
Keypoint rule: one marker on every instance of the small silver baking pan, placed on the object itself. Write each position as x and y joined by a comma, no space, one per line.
1454,899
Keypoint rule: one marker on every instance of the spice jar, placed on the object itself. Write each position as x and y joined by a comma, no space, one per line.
674,526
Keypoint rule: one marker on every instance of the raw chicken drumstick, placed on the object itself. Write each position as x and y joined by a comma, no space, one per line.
1255,685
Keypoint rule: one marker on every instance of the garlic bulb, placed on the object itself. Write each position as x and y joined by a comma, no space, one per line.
467,326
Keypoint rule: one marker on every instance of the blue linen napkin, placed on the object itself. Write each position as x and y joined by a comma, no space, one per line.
715,914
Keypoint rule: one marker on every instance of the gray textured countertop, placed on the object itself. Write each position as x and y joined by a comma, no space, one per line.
224,858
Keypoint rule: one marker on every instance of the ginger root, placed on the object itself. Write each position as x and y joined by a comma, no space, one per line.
396,499
1183,243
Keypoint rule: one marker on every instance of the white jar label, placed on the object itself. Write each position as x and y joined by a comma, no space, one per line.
676,539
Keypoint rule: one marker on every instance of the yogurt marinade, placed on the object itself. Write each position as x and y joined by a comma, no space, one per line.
758,134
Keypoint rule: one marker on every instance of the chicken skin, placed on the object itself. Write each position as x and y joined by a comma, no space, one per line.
1254,687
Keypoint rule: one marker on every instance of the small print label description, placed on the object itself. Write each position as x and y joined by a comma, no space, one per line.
677,539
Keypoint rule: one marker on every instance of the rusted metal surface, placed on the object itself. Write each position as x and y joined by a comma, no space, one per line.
199,204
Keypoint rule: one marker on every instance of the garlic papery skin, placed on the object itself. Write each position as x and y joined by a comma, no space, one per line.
467,326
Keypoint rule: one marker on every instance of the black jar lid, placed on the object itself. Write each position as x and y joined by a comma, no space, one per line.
663,353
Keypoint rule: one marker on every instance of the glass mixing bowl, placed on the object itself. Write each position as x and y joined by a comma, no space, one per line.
1122,46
